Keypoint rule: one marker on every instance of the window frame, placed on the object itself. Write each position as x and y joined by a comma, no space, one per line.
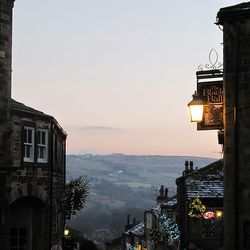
208,228
19,237
44,146
30,159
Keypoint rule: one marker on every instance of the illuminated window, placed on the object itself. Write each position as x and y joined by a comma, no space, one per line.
28,142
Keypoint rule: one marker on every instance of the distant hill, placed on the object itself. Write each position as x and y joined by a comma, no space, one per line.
123,184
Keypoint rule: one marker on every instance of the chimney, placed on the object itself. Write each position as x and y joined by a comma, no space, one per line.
127,226
134,221
186,168
161,191
166,193
6,7
128,220
191,166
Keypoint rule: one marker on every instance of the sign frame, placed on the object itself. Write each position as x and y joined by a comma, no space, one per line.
210,90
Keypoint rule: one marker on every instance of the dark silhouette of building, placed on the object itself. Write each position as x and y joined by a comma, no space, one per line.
207,183
236,46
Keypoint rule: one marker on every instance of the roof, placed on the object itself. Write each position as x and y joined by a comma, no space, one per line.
207,181
22,107
238,11
137,230
18,106
171,202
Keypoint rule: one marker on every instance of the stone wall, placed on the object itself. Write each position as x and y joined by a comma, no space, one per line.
5,94
34,179
236,40
182,210
5,78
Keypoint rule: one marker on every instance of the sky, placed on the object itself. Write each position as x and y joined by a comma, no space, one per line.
117,74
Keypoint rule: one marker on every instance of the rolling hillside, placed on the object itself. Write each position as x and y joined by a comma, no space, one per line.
121,185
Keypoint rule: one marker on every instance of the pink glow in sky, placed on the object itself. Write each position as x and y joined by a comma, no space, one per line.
117,74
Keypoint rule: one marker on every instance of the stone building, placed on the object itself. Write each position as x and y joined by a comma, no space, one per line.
236,44
133,238
32,163
207,182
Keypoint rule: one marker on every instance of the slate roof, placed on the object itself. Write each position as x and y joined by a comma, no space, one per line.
207,182
137,230
18,106
171,202
156,209
22,107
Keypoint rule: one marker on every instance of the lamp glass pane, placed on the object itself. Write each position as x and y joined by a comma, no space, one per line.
196,112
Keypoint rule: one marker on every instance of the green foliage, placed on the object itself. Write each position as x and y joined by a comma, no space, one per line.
75,194
196,208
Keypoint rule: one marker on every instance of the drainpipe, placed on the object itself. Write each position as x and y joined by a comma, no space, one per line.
236,130
51,181
64,182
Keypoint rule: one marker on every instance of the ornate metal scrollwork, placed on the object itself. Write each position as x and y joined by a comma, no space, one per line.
213,62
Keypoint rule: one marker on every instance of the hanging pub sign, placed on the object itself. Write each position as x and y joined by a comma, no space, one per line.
210,90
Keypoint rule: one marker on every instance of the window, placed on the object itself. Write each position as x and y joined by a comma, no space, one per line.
18,238
29,142
208,228
42,146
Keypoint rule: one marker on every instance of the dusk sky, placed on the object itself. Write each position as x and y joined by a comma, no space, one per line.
117,74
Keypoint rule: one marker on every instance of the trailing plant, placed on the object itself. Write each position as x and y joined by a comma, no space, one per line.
170,227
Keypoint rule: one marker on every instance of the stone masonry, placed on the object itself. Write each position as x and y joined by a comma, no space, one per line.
30,190
5,78
236,41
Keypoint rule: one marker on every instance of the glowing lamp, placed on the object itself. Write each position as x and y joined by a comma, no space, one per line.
219,214
66,232
196,107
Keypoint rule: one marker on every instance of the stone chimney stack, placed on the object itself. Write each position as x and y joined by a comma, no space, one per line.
134,221
186,168
191,164
6,7
161,191
166,193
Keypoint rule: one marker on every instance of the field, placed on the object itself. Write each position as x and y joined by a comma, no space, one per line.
121,185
